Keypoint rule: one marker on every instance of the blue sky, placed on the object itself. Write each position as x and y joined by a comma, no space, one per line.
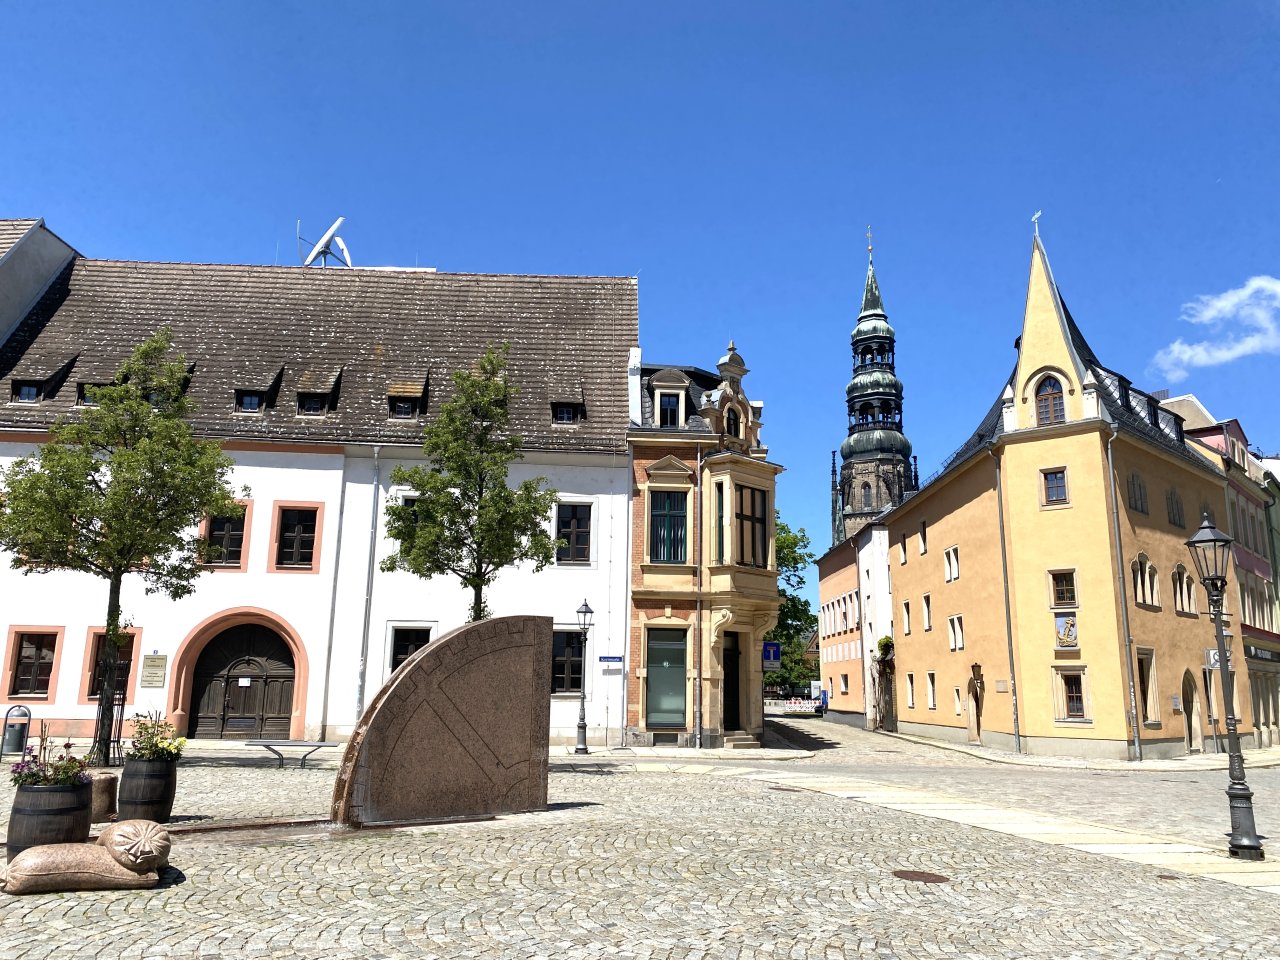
729,154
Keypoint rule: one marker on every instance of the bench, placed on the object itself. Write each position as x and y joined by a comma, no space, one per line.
311,746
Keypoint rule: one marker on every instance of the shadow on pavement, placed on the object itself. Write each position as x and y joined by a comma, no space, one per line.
170,877
798,738
254,762
573,804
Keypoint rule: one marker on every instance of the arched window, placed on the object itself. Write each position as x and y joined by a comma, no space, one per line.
732,423
866,496
1049,405
1146,584
1137,493
1184,591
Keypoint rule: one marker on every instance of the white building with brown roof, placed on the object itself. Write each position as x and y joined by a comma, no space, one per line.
318,383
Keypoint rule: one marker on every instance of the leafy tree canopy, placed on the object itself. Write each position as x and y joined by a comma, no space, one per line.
120,487
796,620
466,521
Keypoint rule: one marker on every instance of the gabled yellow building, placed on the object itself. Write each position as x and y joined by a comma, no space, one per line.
1043,596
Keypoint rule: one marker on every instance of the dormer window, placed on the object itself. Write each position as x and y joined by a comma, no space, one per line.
83,397
402,408
250,401
27,391
318,391
1049,403
668,409
568,413
732,423
313,404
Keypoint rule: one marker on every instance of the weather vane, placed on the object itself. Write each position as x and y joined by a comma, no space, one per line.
868,238
1036,221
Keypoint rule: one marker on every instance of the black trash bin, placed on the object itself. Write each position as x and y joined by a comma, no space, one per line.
17,724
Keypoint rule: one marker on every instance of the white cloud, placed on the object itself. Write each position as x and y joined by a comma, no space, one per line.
1244,322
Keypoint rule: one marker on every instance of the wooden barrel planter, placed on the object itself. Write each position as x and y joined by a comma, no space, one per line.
48,815
146,790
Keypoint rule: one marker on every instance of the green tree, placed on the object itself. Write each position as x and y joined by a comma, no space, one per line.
466,520
796,620
120,489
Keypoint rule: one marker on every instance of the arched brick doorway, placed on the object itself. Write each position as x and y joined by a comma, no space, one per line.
240,674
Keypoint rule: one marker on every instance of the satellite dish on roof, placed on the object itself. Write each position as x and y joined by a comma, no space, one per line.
323,248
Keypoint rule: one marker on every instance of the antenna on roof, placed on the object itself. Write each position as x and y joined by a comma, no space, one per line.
323,248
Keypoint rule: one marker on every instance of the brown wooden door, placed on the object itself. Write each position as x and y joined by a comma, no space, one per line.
243,686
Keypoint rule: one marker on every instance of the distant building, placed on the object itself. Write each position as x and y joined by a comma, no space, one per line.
876,472
1251,593
704,577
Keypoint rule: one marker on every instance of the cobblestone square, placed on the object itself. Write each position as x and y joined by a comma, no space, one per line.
637,860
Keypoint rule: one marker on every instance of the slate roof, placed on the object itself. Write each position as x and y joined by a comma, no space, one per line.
11,231
1135,419
700,381
369,331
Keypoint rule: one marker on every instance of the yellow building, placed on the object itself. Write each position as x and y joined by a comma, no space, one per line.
1043,597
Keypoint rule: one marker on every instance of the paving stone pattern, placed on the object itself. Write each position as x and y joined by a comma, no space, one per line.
1191,805
653,865
238,786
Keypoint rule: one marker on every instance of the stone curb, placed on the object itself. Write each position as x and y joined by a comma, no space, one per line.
1215,761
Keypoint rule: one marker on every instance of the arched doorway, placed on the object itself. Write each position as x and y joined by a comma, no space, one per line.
1194,733
243,686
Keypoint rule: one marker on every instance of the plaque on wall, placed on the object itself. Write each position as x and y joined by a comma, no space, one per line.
154,668
1066,627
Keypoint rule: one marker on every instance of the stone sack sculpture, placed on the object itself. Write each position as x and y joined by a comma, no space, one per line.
127,856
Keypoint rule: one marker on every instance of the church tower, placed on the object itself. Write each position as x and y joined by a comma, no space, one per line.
876,470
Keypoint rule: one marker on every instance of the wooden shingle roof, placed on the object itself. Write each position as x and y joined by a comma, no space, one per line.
367,332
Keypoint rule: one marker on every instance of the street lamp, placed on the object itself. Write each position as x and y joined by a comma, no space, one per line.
1211,550
584,624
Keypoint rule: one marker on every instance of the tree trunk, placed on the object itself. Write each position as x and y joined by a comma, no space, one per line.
108,667
477,602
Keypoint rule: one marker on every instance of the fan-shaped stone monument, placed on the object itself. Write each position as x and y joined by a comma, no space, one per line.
461,729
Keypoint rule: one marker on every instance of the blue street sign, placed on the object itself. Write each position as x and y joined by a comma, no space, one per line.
772,656
610,659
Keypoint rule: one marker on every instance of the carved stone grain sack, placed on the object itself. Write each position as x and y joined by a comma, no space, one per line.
140,845
71,866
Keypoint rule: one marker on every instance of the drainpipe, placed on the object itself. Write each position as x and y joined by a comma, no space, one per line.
697,590
1124,600
608,619
1008,616
628,664
333,604
368,583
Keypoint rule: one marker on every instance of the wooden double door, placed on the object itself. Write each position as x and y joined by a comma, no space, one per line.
243,686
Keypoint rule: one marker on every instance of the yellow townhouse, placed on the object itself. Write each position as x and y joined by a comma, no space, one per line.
1043,597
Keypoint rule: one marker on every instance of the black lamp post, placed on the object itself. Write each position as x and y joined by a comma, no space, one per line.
584,624
1211,551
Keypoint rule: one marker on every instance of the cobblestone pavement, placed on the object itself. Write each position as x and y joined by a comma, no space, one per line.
1191,805
648,865
233,785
